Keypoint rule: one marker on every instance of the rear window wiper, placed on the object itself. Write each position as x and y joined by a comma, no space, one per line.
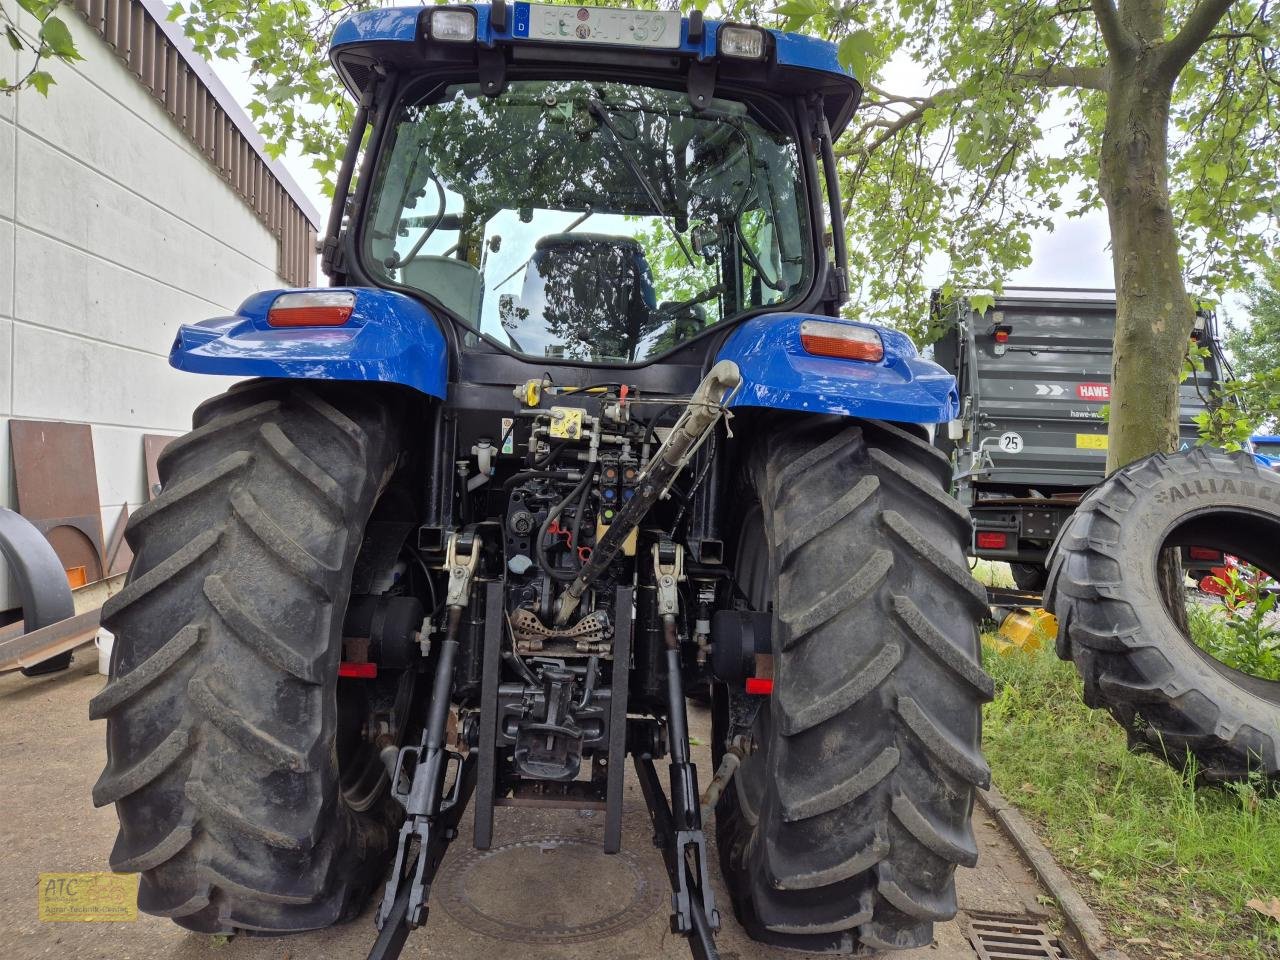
601,112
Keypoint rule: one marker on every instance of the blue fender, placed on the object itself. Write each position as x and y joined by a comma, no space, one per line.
778,373
390,338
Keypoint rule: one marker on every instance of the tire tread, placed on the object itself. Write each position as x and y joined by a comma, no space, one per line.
866,790
220,724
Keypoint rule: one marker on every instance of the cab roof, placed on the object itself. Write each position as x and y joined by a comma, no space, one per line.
794,63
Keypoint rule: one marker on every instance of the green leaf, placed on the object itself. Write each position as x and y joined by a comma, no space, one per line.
58,38
281,91
41,81
15,41
39,8
799,8
982,302
798,12
1217,172
855,50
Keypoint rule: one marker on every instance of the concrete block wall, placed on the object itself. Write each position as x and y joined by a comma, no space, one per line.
113,231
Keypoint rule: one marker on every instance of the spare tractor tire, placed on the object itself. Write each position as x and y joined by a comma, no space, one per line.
843,826
1113,623
222,709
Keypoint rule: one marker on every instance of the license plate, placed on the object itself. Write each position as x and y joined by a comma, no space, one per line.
627,28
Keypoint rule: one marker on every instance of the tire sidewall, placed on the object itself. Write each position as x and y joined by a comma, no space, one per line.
1164,505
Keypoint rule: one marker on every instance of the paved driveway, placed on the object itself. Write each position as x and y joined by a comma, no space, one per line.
545,891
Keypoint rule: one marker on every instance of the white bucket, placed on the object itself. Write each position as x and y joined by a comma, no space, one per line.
103,641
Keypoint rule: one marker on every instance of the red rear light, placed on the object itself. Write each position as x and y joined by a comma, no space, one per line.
761,686
992,541
1204,553
312,308
845,341
358,671
1002,336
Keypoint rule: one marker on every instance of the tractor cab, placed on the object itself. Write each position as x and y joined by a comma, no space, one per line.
589,185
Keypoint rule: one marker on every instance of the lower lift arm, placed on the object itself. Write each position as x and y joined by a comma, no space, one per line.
430,817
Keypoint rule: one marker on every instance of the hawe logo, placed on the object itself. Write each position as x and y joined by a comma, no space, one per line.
1096,392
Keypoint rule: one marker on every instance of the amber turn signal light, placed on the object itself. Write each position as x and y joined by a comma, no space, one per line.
826,338
312,308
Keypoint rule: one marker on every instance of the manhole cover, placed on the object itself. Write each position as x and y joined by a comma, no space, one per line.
1014,938
547,890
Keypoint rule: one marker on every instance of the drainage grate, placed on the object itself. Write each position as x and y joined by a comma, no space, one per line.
1014,938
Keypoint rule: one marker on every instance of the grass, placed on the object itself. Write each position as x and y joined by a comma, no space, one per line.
1170,867
993,573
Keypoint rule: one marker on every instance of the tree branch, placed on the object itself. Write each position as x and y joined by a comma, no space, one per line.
901,123
887,97
1200,23
1053,75
1237,35
1066,75
1116,37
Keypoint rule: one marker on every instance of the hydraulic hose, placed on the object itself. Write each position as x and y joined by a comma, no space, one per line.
700,417
579,492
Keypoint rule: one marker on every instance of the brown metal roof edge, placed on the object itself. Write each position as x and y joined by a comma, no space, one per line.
160,56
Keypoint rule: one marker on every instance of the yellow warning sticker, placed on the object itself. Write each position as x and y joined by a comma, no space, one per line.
88,897
1091,441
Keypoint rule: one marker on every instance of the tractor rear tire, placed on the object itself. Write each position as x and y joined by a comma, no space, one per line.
844,825
1171,698
222,705
1029,577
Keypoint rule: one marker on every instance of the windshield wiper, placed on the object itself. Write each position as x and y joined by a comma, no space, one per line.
708,294
601,113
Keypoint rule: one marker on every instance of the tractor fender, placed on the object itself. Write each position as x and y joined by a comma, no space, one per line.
778,373
389,338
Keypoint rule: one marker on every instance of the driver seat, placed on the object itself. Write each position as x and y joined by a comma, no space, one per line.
455,283
588,290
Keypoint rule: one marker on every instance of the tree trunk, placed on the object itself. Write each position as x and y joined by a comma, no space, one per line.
1154,316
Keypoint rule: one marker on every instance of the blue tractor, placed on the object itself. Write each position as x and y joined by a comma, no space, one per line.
1266,449
576,429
